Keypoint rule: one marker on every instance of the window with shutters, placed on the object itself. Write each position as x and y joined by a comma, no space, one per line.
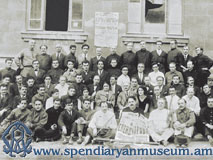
155,17
55,15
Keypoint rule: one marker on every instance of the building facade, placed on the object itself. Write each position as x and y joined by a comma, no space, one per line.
76,22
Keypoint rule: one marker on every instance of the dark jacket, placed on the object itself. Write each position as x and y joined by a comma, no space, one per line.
144,56
162,60
65,119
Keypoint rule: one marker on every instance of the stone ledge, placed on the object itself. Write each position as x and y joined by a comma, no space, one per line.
78,37
182,40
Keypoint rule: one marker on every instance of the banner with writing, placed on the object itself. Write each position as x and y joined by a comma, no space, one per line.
133,128
106,29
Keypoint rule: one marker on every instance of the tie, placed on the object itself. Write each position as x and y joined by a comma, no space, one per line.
99,72
185,57
140,76
36,73
85,57
95,87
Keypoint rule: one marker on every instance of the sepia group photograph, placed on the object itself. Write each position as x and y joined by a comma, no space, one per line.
106,79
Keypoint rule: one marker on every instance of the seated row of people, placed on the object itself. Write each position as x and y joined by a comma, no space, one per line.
67,122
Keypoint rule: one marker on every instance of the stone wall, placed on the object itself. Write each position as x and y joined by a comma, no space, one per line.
197,25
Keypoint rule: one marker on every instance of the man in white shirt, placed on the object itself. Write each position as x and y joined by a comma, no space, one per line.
62,86
103,124
172,100
159,128
153,75
84,55
123,78
192,102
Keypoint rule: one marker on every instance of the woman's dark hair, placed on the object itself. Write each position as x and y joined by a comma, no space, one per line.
144,89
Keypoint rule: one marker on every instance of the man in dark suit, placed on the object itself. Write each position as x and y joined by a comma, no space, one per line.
116,89
160,56
79,85
8,70
113,55
5,102
31,88
202,65
155,98
113,68
60,56
128,59
14,88
173,53
140,74
163,88
104,75
190,72
149,87
95,86
183,59
71,56
87,75
49,87
44,59
55,72
144,56
94,60
37,73
23,94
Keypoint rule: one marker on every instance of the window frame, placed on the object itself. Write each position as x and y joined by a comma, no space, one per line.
70,17
166,23
43,17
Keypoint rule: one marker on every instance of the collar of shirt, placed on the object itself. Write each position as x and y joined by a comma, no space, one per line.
185,55
98,57
100,71
58,54
159,51
69,112
84,55
23,96
181,110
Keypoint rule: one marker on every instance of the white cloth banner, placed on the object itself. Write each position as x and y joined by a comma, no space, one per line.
106,29
132,128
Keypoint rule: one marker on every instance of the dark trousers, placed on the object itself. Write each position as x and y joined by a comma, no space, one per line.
48,134
208,132
73,129
199,127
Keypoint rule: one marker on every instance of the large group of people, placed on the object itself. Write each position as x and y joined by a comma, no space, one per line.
76,95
